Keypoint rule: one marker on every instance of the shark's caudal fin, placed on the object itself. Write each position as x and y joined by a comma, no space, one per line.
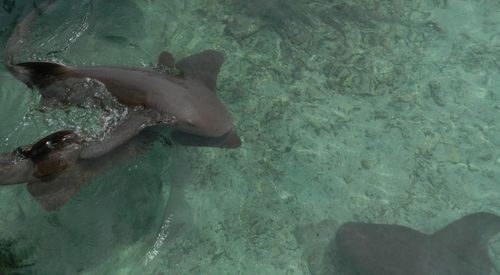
41,74
18,37
468,238
459,248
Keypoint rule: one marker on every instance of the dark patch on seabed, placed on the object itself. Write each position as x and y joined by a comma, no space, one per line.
368,111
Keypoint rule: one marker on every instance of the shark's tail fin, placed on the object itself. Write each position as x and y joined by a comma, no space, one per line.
468,237
18,37
40,74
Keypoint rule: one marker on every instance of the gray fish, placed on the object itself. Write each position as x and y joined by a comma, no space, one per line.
54,170
186,103
459,248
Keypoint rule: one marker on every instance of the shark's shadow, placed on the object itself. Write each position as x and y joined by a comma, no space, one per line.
109,214
125,26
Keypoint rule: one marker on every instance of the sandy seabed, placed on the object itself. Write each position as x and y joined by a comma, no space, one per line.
362,110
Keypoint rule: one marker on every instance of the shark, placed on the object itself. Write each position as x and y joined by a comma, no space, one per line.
179,94
459,248
54,170
54,173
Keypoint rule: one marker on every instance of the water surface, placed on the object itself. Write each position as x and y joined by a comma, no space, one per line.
374,111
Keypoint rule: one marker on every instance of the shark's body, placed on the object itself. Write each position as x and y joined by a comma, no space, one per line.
459,248
187,103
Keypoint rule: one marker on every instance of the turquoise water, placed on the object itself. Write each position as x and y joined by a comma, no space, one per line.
371,111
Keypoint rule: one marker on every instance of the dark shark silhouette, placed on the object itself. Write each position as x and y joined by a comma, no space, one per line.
54,170
185,102
459,248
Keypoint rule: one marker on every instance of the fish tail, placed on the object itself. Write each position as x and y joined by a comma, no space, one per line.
18,37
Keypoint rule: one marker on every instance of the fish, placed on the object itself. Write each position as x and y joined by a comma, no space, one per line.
185,101
460,248
55,172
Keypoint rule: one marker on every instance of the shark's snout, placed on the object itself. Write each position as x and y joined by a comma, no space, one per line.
49,156
214,124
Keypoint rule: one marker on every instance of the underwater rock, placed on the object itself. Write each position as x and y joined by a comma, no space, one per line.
242,27
437,93
274,11
284,17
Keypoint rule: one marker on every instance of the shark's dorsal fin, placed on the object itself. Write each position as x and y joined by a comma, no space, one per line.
204,66
468,237
166,59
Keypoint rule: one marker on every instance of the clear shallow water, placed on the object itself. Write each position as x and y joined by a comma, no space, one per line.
372,111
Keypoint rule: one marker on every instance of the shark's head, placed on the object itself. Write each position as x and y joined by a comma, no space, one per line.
207,120
54,153
42,160
198,109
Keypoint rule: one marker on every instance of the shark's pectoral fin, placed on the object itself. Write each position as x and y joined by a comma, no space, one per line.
204,66
166,59
52,195
228,140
